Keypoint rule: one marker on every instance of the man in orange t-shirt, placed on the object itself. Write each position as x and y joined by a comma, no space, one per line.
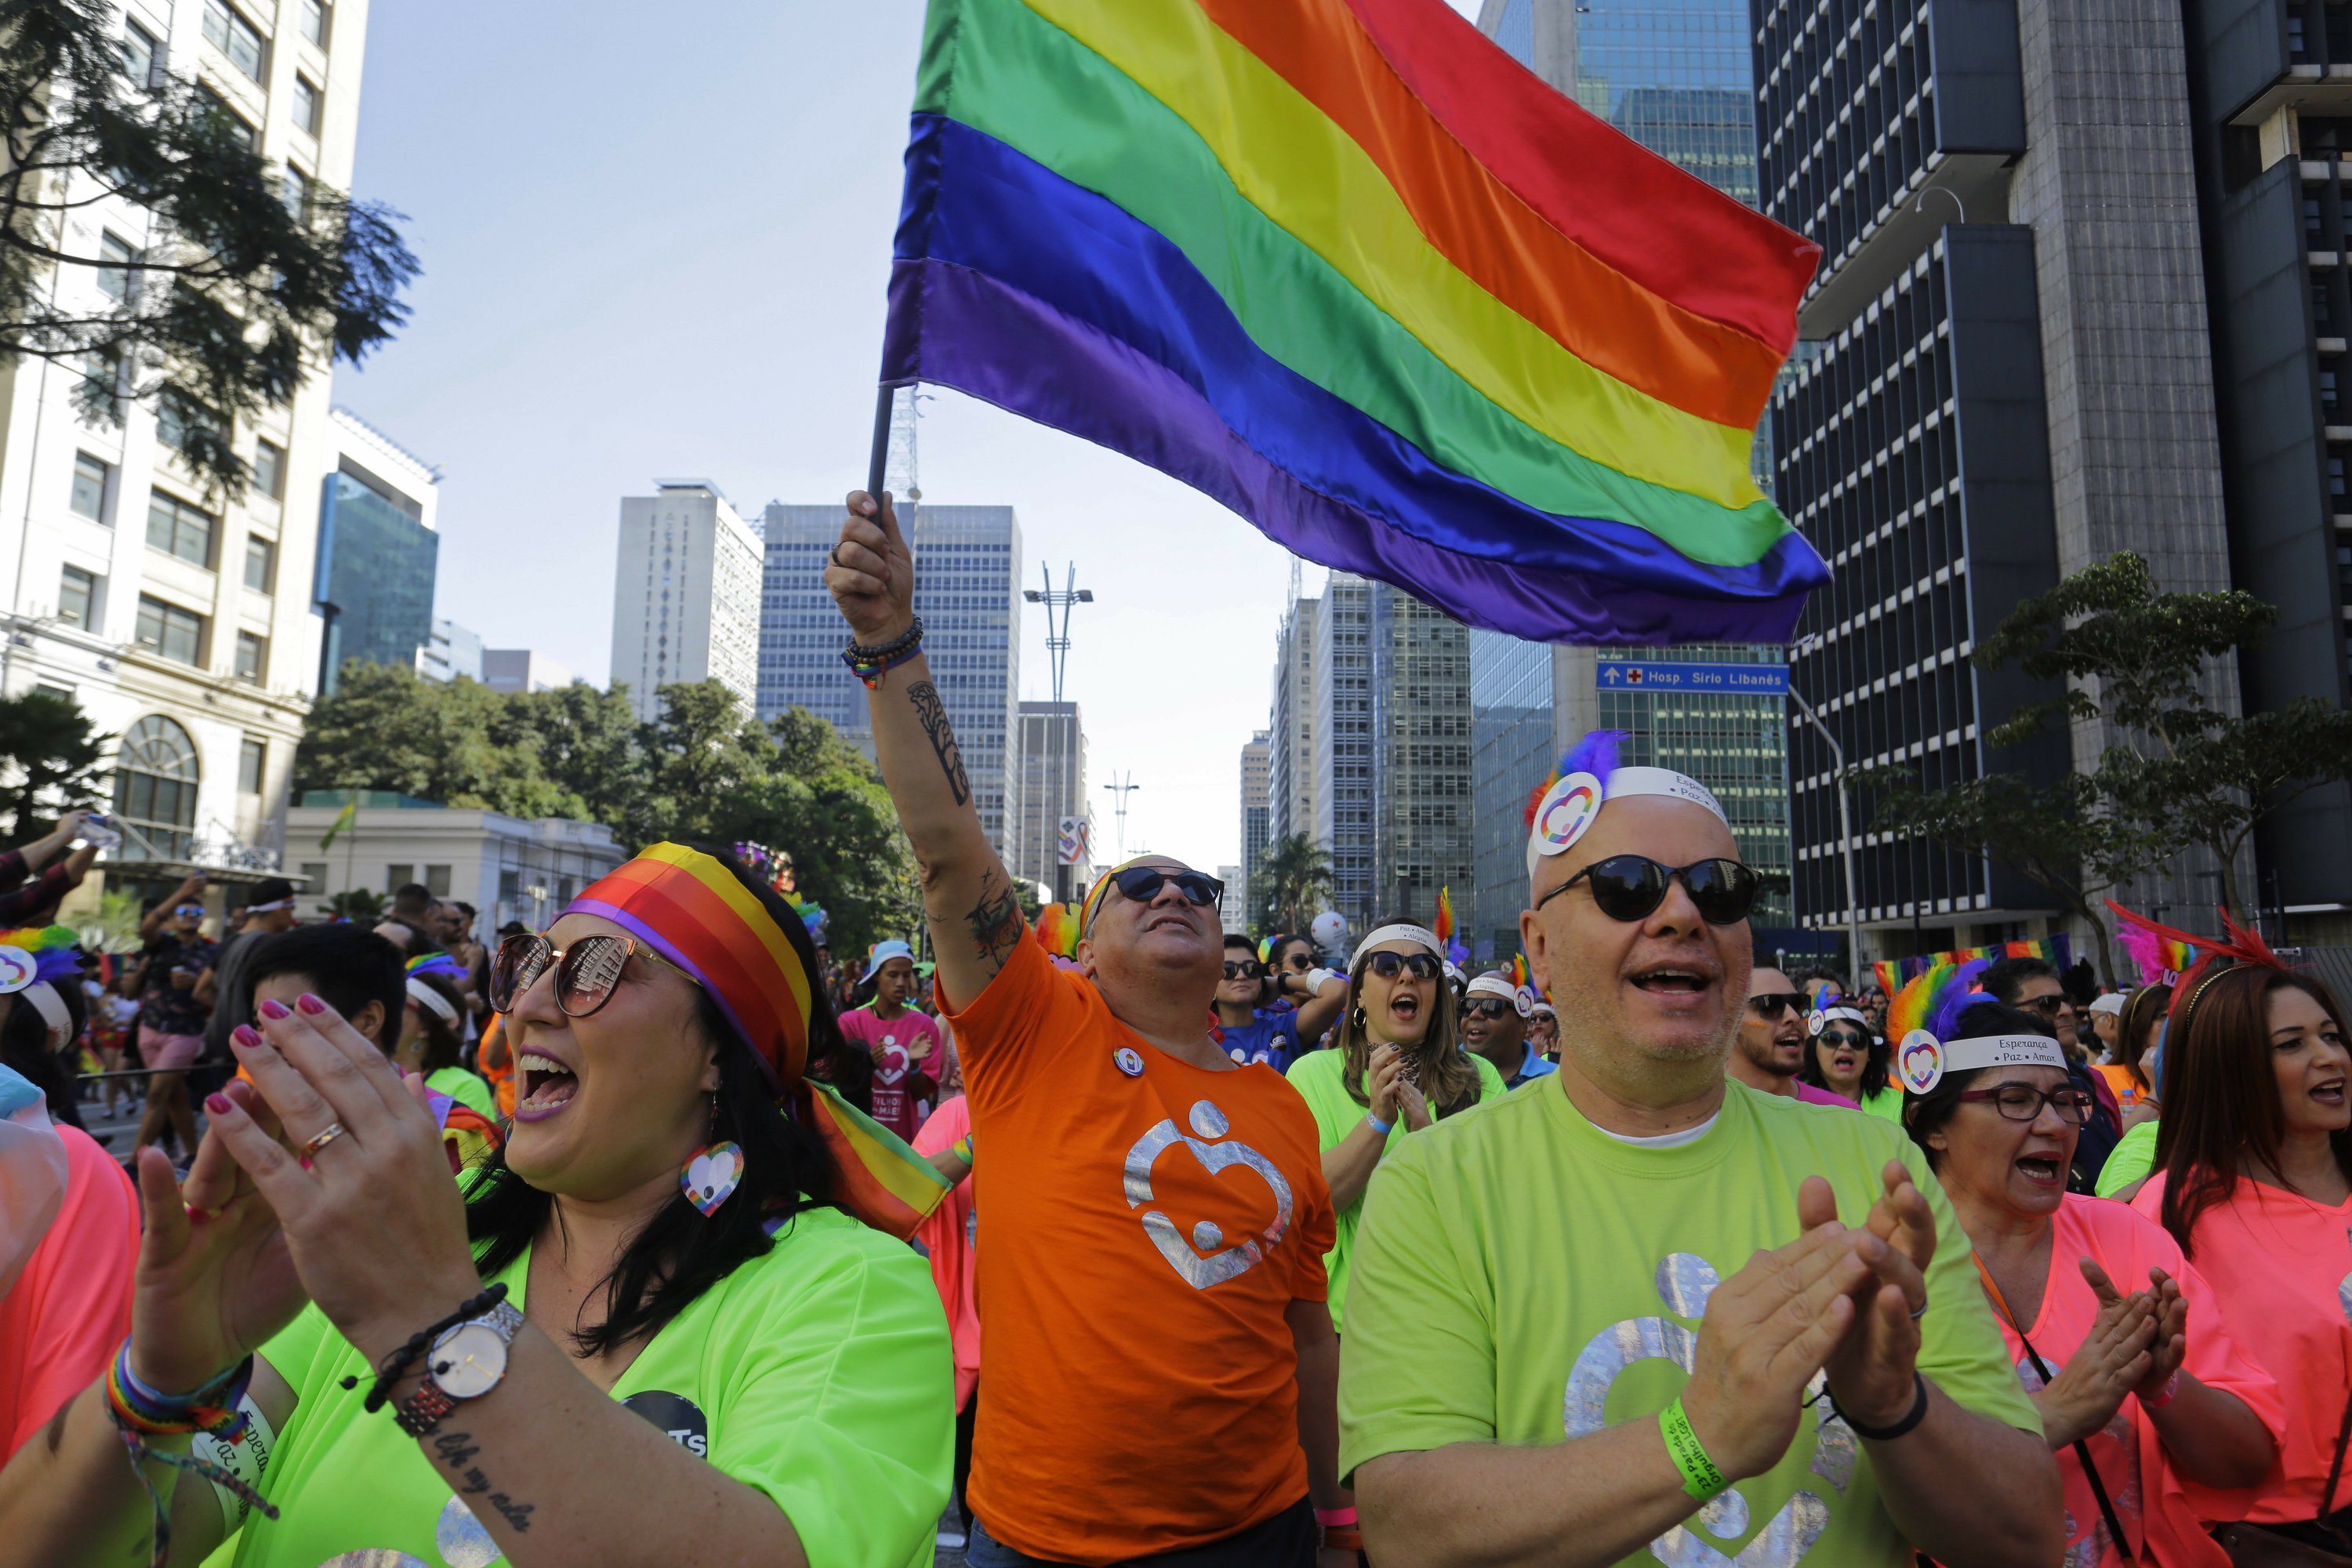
1158,1368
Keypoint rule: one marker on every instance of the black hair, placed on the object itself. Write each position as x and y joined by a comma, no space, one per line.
1237,939
412,895
465,909
1927,1113
680,1253
25,1045
442,1045
1874,1061
2005,977
348,966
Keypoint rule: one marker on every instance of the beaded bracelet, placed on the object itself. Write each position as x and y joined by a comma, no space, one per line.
868,664
140,1413
393,1367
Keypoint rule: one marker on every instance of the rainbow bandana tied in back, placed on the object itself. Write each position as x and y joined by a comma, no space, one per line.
692,910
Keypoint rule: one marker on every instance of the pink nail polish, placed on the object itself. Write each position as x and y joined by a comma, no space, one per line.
309,1003
271,1008
246,1034
217,1104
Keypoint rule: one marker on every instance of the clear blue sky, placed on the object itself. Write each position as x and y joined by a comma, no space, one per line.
657,244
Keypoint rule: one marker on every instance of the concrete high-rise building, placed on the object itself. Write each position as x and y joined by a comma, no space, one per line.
1675,77
1291,765
2015,357
1341,714
1233,912
180,621
1257,812
379,552
450,652
686,595
969,595
1052,754
521,670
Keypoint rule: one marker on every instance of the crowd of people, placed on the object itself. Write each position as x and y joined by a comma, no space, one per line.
657,1235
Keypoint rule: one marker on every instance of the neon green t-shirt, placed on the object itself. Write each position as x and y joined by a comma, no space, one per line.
1522,1278
819,1374
2132,1158
1887,1103
467,1089
1317,1076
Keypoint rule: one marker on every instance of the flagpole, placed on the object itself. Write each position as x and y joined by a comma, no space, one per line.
351,845
877,462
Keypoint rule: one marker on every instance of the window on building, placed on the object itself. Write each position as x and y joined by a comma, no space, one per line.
294,191
436,880
269,469
396,876
238,125
252,756
177,415
252,656
237,39
314,873
260,563
306,104
177,528
139,53
49,688
92,480
114,259
102,374
155,778
509,885
175,634
311,17
78,599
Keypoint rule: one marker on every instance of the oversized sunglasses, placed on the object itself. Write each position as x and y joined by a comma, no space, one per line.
1245,969
586,973
1842,1039
1141,884
1772,1003
1301,961
1492,1007
1389,966
1631,888
2049,1006
2023,1103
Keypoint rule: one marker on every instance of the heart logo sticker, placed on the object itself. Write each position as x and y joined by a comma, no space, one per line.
711,1177
1920,1063
16,969
894,1064
1207,1257
1567,810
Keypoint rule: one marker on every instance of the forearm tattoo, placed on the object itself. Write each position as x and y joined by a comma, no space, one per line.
933,716
995,921
455,1449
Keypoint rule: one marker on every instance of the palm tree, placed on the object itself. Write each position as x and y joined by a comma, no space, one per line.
1292,878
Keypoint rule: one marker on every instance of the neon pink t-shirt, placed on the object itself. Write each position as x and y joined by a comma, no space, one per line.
2281,1268
69,1310
1812,1096
2149,1497
905,1054
948,1233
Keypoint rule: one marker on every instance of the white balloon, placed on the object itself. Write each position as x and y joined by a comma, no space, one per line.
1330,930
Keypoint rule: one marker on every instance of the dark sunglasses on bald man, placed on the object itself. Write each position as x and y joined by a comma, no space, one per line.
1141,884
1630,888
1389,966
1492,1007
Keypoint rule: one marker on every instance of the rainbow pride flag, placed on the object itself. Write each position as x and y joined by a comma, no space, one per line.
1351,270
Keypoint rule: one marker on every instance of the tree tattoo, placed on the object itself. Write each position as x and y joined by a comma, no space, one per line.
932,714
995,921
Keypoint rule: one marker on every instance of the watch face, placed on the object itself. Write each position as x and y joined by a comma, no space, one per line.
468,1359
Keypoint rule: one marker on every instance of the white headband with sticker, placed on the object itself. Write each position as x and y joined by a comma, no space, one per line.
1496,986
1823,1016
52,1008
1568,809
1922,1062
1421,934
425,996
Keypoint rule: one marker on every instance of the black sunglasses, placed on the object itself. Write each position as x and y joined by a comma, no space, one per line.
1141,884
1301,961
1772,1003
1245,969
2048,1006
1631,888
1833,1039
1388,965
1492,1007
586,973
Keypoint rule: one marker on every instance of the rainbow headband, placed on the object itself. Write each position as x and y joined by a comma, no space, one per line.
1564,809
37,953
691,910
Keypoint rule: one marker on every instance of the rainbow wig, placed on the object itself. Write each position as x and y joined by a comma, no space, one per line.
53,950
1595,754
1934,1000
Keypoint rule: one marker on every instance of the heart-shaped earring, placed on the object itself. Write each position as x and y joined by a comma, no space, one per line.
711,1177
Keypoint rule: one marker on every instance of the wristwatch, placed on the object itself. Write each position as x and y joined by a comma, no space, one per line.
465,1361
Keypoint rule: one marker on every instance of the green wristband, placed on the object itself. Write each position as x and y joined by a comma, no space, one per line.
1701,1478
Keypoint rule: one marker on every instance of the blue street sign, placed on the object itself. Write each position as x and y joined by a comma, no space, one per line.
1723,680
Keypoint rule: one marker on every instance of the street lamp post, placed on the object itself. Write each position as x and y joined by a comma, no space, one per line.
1057,654
1123,791
1846,836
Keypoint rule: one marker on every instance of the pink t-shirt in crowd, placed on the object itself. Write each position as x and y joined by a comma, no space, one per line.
905,1054
2149,1499
69,1310
1812,1096
948,1234
2281,1268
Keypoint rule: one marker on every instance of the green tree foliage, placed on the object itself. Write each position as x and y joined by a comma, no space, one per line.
2184,773
703,770
50,756
1289,884
256,282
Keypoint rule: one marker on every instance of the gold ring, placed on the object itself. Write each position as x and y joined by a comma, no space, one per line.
334,1131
